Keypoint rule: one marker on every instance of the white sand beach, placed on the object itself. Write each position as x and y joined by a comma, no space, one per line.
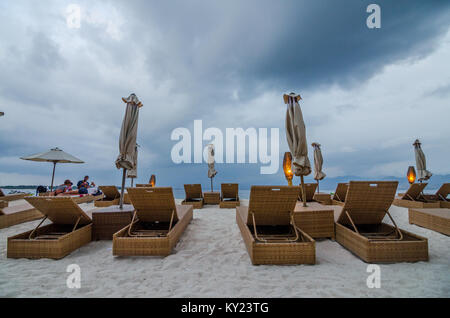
211,261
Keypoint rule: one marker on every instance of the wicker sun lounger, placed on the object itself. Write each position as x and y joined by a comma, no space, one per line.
361,230
111,196
268,228
434,219
77,198
441,196
414,198
310,190
340,194
194,195
70,229
17,214
12,197
156,226
229,196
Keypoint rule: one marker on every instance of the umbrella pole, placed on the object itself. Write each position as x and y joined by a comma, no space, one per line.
303,191
318,190
211,185
122,190
53,175
132,179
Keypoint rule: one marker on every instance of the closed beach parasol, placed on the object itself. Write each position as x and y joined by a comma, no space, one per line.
318,162
211,162
296,139
421,163
132,173
127,140
54,155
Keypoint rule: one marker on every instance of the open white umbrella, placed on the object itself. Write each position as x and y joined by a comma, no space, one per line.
318,162
132,173
54,155
127,140
296,139
421,163
211,170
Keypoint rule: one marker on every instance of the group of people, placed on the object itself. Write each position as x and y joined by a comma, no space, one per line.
83,187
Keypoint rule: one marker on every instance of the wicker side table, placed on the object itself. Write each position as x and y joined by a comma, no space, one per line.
109,220
211,197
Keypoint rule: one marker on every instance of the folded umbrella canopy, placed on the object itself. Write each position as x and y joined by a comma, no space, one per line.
421,163
296,139
127,140
318,162
54,155
132,173
211,161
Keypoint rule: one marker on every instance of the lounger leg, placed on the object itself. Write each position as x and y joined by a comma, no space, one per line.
396,227
32,232
351,221
131,224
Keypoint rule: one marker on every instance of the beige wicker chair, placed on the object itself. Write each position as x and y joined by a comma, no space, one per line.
17,214
441,196
70,229
111,196
340,194
268,228
229,198
156,226
360,226
310,190
414,198
194,195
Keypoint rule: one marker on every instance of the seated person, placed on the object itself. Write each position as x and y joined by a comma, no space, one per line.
83,185
64,188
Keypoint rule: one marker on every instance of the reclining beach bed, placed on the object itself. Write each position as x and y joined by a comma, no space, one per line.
340,194
156,226
229,195
310,190
12,197
414,198
77,198
70,229
111,196
268,229
434,219
441,196
17,214
194,195
361,230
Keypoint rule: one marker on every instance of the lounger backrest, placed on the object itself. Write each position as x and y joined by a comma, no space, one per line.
310,189
59,210
341,192
110,192
193,191
414,191
229,190
143,185
153,204
1,193
443,192
368,201
272,205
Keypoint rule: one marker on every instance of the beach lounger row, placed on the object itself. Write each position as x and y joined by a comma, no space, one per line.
229,196
415,198
271,228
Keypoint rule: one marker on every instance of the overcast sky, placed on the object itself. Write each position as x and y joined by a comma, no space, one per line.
367,93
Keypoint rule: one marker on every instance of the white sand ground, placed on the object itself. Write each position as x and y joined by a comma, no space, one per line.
211,261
